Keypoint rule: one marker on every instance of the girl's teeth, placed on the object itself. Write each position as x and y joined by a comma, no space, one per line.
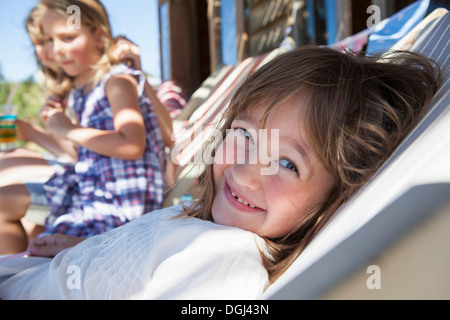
242,201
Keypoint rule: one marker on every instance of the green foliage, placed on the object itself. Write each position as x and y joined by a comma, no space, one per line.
29,97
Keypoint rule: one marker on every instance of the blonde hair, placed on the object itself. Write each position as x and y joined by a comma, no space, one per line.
94,17
33,23
56,81
359,110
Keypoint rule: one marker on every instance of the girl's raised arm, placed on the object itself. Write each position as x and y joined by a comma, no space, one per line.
127,141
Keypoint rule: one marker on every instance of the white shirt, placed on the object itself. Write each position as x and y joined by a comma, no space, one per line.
155,256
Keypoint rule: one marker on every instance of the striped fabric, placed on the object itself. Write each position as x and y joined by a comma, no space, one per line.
173,97
433,42
206,89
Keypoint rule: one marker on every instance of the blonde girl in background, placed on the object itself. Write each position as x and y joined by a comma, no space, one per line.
119,156
25,169
335,119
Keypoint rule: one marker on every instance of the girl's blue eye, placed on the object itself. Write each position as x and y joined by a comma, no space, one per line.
245,133
288,165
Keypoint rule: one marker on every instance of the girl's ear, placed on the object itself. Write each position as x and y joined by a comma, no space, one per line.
101,39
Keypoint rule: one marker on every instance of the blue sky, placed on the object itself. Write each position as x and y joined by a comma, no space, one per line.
137,19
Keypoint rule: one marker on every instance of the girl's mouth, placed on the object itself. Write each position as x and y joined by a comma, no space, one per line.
242,201
64,61
239,202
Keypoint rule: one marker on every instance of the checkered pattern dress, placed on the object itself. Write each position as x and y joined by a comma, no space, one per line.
100,193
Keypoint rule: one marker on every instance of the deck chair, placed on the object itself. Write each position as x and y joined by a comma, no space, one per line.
383,35
411,188
392,29
205,90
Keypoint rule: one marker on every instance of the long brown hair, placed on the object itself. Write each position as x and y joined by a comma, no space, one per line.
360,108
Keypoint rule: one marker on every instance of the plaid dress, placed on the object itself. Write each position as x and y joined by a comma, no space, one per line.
100,193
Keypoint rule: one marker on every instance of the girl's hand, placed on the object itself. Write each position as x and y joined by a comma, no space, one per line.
58,124
52,102
50,246
25,130
127,51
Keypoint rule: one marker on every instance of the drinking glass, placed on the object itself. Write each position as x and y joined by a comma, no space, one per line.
8,115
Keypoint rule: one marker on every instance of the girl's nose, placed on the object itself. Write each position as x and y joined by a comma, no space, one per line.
248,176
55,49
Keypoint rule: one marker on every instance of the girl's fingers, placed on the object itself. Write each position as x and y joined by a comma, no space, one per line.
51,245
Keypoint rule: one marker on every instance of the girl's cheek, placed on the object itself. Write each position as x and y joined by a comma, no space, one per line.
75,53
39,52
77,50
278,187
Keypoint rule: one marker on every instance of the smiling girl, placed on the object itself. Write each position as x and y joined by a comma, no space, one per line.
117,175
337,118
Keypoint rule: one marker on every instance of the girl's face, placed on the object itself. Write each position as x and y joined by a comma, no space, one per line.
74,49
269,199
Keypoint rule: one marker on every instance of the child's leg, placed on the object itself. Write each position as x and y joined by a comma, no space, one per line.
15,167
14,202
32,229
22,164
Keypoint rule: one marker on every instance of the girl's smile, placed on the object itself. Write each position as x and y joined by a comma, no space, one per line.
270,205
238,201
